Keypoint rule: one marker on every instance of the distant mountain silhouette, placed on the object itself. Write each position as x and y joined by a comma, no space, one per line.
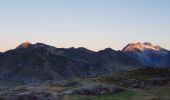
39,62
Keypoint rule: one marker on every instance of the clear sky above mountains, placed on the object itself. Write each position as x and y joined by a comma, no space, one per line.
95,24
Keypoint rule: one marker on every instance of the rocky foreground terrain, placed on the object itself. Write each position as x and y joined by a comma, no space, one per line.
145,84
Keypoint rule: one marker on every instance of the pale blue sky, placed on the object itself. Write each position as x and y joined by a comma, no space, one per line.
95,24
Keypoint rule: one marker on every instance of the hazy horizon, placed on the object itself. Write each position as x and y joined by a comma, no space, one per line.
94,24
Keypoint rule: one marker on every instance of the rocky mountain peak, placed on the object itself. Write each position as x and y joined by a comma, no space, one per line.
24,45
141,47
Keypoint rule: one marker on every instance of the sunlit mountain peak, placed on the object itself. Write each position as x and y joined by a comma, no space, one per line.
25,45
141,47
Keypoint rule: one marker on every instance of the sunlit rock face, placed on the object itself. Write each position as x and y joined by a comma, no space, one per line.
24,45
149,54
141,47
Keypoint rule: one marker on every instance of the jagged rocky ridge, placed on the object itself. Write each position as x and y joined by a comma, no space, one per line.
39,62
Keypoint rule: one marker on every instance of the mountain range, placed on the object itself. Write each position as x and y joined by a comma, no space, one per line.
39,62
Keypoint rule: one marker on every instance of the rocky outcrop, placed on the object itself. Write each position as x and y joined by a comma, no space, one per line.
94,89
64,83
34,95
44,92
135,83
